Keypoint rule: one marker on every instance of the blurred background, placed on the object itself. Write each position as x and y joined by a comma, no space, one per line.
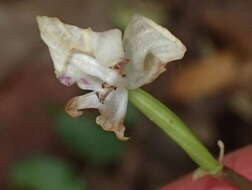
41,148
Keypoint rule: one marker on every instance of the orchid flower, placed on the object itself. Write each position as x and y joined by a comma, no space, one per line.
108,64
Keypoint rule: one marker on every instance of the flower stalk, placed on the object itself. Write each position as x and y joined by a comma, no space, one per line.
164,118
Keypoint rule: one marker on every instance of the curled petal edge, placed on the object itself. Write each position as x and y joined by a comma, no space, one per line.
149,47
118,129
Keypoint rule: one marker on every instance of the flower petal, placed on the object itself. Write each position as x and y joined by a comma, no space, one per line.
108,48
61,39
80,62
75,105
84,81
87,82
113,111
148,47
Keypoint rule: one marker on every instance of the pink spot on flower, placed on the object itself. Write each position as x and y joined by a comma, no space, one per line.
67,81
84,81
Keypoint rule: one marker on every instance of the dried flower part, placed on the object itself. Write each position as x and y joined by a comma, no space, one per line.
112,110
95,61
148,46
75,105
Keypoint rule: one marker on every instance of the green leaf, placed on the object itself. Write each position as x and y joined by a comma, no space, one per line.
45,173
84,137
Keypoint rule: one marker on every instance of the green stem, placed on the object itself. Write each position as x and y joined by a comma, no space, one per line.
176,129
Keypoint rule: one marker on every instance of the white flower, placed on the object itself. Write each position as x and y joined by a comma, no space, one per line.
108,64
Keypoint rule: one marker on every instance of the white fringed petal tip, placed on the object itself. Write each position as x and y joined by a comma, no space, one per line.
108,64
